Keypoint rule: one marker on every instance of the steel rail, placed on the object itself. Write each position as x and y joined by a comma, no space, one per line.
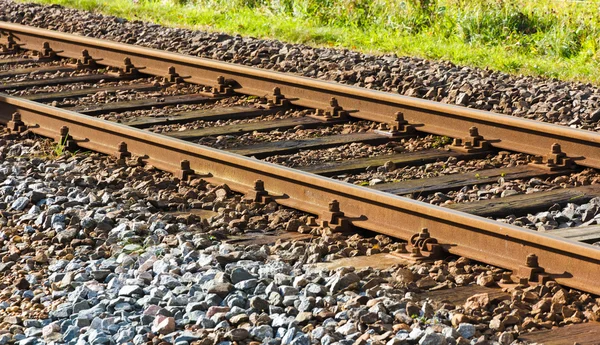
502,131
574,264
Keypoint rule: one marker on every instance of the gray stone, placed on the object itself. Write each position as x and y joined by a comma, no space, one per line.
237,334
239,274
259,303
341,282
466,330
262,332
19,204
83,305
301,340
432,339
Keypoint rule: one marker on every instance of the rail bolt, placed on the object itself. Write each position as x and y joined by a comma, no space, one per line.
259,185
473,131
416,252
402,248
399,116
122,147
506,278
556,149
334,206
532,261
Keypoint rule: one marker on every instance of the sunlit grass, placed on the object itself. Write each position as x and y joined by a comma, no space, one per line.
557,39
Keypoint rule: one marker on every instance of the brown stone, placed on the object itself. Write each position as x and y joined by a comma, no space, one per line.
426,283
486,280
481,300
404,276
560,297
412,309
458,318
22,284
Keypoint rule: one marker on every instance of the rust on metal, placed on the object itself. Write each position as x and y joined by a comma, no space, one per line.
501,131
568,262
472,143
185,171
15,125
554,161
122,152
258,193
396,128
10,47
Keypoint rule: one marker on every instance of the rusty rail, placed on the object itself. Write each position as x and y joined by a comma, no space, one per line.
571,263
502,131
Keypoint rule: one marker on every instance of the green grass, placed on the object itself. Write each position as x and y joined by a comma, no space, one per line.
550,38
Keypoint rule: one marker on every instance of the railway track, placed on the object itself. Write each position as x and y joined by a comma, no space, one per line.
212,101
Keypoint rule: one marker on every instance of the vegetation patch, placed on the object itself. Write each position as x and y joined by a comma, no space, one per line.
550,38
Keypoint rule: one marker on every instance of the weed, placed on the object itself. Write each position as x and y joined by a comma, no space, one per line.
59,147
439,142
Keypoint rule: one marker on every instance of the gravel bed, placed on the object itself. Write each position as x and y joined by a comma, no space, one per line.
46,76
79,86
572,215
296,133
354,150
566,103
503,188
13,56
10,67
233,101
389,174
199,124
93,253
129,95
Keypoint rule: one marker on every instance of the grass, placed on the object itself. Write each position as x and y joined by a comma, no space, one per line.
551,38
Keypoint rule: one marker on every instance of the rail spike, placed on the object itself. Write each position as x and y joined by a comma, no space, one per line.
332,113
553,161
472,143
185,173
258,193
222,87
334,218
277,99
532,271
85,61
11,46
173,77
16,125
128,69
46,53
122,153
65,140
398,127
